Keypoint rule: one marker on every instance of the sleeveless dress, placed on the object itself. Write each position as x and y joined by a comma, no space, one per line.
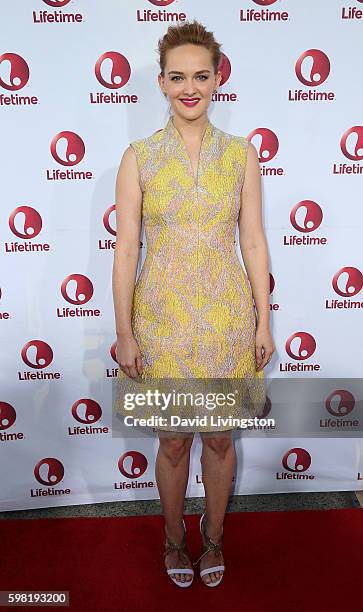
193,315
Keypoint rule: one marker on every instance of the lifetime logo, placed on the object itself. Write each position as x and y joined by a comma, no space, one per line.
113,372
267,146
312,68
14,75
300,346
109,223
226,68
113,71
296,461
264,14
273,305
306,216
87,411
339,404
37,354
7,420
132,465
352,12
351,145
49,472
347,282
68,149
4,315
58,16
77,289
25,222
148,15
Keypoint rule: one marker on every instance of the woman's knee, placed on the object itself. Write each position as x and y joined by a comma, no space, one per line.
175,448
220,445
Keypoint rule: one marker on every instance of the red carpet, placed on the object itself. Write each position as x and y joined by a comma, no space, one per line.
276,561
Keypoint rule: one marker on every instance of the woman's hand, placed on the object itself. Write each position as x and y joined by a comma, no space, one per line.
264,346
128,356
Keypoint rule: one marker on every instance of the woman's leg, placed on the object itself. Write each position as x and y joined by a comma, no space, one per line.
172,472
218,462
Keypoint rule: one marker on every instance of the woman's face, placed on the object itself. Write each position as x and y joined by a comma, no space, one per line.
189,74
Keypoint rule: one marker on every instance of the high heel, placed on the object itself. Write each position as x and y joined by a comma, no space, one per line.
208,545
170,545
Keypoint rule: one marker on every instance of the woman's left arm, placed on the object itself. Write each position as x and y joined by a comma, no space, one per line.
254,250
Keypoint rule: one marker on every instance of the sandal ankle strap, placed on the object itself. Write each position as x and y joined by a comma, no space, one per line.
208,545
216,546
171,545
207,541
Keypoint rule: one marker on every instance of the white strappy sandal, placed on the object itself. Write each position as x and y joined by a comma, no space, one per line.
170,545
208,545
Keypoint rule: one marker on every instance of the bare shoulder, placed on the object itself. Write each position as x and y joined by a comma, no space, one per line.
128,179
128,164
129,155
253,171
252,161
251,150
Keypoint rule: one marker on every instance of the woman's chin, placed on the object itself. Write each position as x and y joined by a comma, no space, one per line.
189,113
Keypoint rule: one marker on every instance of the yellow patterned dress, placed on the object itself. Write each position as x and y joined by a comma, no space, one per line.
193,315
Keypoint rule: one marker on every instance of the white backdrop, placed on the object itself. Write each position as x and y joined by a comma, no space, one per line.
78,82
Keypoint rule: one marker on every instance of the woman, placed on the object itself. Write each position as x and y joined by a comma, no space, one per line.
191,313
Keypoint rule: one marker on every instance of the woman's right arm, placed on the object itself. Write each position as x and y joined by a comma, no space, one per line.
128,201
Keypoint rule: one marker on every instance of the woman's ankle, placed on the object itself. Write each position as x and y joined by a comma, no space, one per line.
214,531
174,529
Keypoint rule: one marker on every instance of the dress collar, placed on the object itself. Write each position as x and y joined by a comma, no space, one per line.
171,131
175,140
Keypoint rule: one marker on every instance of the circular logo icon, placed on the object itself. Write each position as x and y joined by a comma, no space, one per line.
300,346
18,71
296,460
112,70
264,2
272,283
132,464
73,147
77,289
161,2
225,67
306,216
267,145
86,411
111,228
7,415
348,281
49,471
319,67
37,354
340,403
351,143
113,351
25,222
56,3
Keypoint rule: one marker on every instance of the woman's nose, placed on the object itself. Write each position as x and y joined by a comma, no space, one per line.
189,88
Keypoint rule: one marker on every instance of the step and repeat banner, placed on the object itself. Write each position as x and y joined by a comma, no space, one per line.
78,82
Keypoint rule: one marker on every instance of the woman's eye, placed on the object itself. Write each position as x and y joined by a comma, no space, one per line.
203,77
